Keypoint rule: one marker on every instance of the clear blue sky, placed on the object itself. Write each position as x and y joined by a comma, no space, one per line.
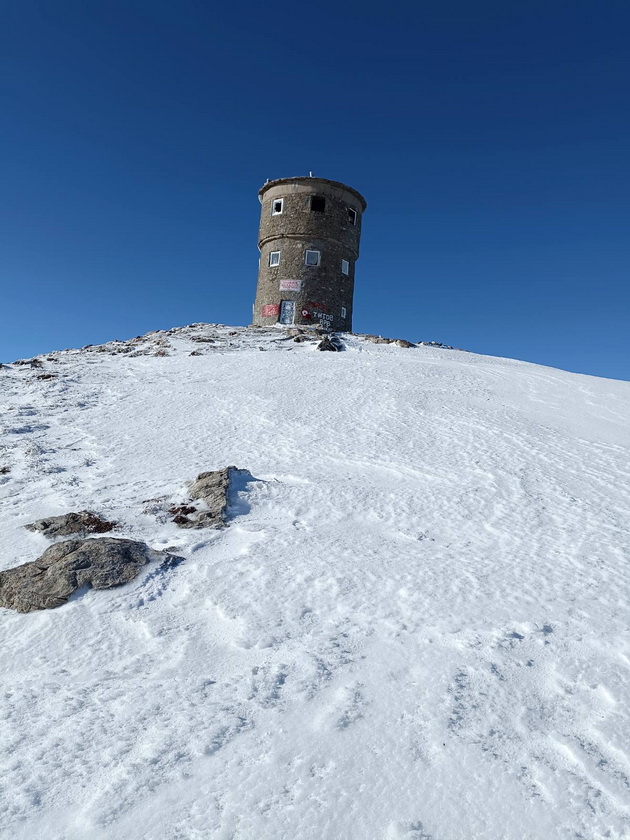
491,140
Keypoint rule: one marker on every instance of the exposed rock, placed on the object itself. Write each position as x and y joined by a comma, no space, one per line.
182,509
5,470
46,376
300,337
35,363
69,565
83,522
212,488
436,344
377,339
330,342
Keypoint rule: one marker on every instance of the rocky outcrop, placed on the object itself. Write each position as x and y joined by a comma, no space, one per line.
70,565
437,344
330,342
212,488
34,363
69,524
378,339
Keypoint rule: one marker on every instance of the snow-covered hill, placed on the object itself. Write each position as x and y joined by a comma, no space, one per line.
415,625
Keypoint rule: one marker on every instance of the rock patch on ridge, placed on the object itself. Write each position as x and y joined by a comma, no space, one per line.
69,565
213,489
83,522
331,342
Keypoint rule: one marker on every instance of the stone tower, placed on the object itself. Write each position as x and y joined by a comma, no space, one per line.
309,244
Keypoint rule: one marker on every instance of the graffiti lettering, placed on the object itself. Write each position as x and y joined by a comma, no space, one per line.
314,311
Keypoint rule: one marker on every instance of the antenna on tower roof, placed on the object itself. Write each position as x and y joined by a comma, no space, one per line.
310,174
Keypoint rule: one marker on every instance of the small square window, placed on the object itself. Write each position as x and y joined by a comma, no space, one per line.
276,206
352,215
318,204
311,258
343,311
274,258
345,267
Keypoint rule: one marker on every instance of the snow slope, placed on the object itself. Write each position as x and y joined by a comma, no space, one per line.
415,625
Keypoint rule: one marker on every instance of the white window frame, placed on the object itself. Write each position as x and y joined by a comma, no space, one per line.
319,257
275,201
344,311
271,263
352,215
345,267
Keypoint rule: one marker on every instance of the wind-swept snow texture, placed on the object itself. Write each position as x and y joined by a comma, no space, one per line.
414,627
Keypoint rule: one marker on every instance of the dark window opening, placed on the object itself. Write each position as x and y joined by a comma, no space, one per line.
318,204
352,216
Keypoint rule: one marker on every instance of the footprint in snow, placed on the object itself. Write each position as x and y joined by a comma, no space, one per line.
407,831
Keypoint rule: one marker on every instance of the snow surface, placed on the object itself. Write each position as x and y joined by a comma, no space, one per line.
415,625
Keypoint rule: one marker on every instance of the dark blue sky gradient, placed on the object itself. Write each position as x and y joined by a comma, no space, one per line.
491,140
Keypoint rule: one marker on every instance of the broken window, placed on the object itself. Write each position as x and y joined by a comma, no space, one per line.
276,206
352,215
318,204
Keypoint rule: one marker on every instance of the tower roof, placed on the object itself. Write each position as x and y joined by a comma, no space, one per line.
309,180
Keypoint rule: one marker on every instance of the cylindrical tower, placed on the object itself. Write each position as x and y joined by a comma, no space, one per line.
309,244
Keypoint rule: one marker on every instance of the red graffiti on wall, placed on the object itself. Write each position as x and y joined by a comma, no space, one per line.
270,310
314,310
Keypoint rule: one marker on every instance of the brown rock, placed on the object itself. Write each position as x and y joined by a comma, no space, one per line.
83,522
35,363
182,509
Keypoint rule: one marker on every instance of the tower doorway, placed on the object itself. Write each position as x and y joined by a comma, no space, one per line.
287,311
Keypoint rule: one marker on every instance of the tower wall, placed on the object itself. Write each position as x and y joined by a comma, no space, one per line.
319,293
